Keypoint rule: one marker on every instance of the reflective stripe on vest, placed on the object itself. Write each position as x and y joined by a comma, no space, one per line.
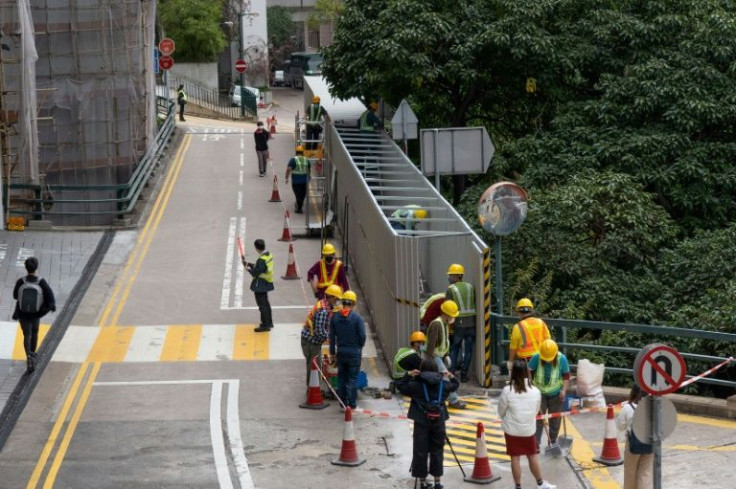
444,347
464,294
529,341
555,379
301,167
182,94
400,355
320,305
314,110
324,280
268,274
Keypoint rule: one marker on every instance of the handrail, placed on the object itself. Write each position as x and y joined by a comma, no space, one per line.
132,188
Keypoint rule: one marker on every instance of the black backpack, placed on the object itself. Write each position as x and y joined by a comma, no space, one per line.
433,411
30,296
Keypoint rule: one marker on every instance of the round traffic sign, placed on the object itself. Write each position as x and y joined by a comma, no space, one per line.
642,423
166,46
240,65
165,62
659,369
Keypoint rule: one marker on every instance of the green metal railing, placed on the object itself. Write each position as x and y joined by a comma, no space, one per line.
127,194
559,328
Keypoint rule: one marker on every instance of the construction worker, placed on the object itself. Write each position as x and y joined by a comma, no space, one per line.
528,334
407,218
409,357
551,375
298,169
181,99
369,121
314,332
262,284
327,271
347,338
464,328
438,343
430,310
315,113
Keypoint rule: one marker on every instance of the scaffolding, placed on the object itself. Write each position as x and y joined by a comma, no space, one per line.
77,103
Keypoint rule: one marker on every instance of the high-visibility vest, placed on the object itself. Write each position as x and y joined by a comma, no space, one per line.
444,347
325,280
302,166
268,274
555,379
321,304
464,294
181,94
429,302
314,111
400,355
405,215
363,124
532,336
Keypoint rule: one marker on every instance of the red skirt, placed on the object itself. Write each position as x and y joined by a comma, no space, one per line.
517,446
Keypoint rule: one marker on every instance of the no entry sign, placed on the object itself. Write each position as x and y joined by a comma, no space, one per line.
240,65
659,369
166,46
165,62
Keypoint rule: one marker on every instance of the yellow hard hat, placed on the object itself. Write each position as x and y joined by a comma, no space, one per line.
420,213
450,308
373,105
456,269
524,305
349,295
300,150
334,291
328,249
548,350
315,99
417,336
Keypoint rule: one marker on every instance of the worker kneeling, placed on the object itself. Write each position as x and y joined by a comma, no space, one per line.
347,338
551,375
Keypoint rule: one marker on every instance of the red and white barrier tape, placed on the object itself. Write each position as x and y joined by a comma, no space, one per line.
706,373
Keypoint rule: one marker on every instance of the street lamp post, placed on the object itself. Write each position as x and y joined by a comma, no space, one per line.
241,15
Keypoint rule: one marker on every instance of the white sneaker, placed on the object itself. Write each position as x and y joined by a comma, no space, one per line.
546,485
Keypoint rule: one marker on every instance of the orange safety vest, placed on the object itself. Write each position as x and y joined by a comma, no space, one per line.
324,280
319,306
532,336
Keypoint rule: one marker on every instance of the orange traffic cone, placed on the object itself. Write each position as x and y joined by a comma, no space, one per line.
348,452
610,454
272,125
482,469
286,234
275,197
314,393
291,273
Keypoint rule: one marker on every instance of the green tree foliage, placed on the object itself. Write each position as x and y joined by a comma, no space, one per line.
325,12
280,26
194,25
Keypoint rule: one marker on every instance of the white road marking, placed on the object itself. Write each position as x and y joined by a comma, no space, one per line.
233,434
242,143
216,342
285,341
76,344
242,159
146,344
240,200
218,442
240,269
255,308
229,251
240,179
8,331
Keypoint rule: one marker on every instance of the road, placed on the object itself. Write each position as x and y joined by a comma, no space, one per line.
161,381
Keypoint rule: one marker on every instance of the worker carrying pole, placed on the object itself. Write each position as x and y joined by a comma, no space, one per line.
327,271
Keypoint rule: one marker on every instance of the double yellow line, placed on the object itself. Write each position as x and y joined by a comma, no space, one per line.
109,318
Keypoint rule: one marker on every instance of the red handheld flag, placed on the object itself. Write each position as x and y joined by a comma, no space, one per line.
240,248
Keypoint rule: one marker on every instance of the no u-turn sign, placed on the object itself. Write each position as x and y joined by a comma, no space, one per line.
659,369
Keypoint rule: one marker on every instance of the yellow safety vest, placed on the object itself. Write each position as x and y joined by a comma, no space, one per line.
532,335
301,167
324,280
464,294
444,347
268,274
319,306
555,379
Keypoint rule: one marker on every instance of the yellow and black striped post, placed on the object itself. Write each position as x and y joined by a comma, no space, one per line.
487,313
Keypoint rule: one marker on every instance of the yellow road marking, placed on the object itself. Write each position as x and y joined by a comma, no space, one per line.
19,353
112,344
582,453
718,423
694,448
182,343
118,334
248,344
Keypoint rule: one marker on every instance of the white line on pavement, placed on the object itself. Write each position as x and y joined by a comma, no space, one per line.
229,251
242,159
240,178
255,308
240,200
218,442
233,433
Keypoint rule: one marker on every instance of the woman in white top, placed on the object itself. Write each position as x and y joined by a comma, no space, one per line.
638,467
518,408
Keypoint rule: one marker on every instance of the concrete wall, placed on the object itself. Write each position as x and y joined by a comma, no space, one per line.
204,73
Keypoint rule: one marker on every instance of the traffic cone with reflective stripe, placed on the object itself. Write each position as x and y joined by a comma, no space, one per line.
482,468
286,234
291,273
348,452
275,197
610,455
314,393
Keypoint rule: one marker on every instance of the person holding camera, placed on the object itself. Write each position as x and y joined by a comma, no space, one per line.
428,389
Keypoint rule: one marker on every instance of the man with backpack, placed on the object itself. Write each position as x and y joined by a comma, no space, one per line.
34,299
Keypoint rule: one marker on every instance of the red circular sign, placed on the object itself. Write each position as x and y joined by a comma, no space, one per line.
240,65
165,62
166,46
659,369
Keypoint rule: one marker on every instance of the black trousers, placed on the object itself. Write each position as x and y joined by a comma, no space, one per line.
265,309
30,334
313,132
300,192
181,112
429,440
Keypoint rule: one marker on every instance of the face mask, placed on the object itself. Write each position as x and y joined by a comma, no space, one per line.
345,312
329,258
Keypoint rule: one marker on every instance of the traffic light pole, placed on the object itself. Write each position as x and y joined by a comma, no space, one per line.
241,33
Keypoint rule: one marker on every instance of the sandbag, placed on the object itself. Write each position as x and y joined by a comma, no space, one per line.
590,383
